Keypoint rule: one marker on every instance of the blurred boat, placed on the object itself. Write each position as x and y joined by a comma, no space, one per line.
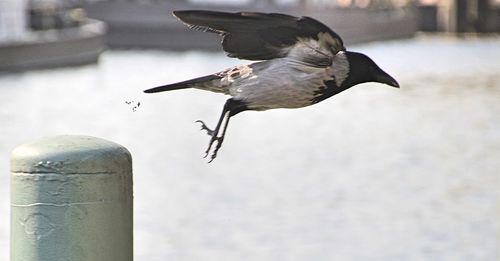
54,34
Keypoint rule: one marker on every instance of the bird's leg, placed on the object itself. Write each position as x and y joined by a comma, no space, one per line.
231,108
220,139
214,133
214,138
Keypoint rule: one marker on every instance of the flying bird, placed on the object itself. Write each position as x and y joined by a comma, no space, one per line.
299,62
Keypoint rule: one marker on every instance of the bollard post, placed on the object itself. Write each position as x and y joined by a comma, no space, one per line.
71,200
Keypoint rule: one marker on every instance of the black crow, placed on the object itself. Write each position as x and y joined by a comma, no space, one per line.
300,62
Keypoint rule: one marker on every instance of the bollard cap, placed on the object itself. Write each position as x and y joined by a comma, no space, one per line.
69,154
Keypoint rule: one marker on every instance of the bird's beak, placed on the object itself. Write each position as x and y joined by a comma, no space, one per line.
383,77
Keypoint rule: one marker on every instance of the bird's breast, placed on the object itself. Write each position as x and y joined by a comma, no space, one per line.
279,85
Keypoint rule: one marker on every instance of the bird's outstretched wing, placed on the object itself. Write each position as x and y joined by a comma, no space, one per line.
261,36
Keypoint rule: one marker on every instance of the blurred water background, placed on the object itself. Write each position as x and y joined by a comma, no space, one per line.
375,173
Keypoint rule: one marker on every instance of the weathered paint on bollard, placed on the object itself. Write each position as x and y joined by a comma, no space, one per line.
71,200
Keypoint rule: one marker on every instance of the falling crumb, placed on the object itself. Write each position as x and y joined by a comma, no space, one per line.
134,104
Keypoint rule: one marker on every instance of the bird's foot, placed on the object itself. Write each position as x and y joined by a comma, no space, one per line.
205,128
213,139
219,141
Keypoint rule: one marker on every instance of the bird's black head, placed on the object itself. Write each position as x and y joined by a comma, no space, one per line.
363,69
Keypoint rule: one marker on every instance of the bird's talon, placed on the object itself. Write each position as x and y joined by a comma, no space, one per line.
207,151
205,128
213,156
216,149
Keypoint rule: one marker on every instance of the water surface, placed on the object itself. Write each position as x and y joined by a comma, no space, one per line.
375,173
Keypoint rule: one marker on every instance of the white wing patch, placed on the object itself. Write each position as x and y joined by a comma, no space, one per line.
228,77
243,71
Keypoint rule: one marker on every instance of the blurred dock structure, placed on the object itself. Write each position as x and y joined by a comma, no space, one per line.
12,19
42,34
150,24
459,16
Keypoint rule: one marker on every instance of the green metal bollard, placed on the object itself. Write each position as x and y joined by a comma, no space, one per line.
71,200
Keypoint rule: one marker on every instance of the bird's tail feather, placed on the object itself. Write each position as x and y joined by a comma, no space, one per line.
183,85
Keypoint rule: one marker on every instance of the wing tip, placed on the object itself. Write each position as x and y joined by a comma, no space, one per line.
180,13
151,90
185,13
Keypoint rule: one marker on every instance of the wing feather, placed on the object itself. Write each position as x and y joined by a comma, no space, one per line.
264,36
